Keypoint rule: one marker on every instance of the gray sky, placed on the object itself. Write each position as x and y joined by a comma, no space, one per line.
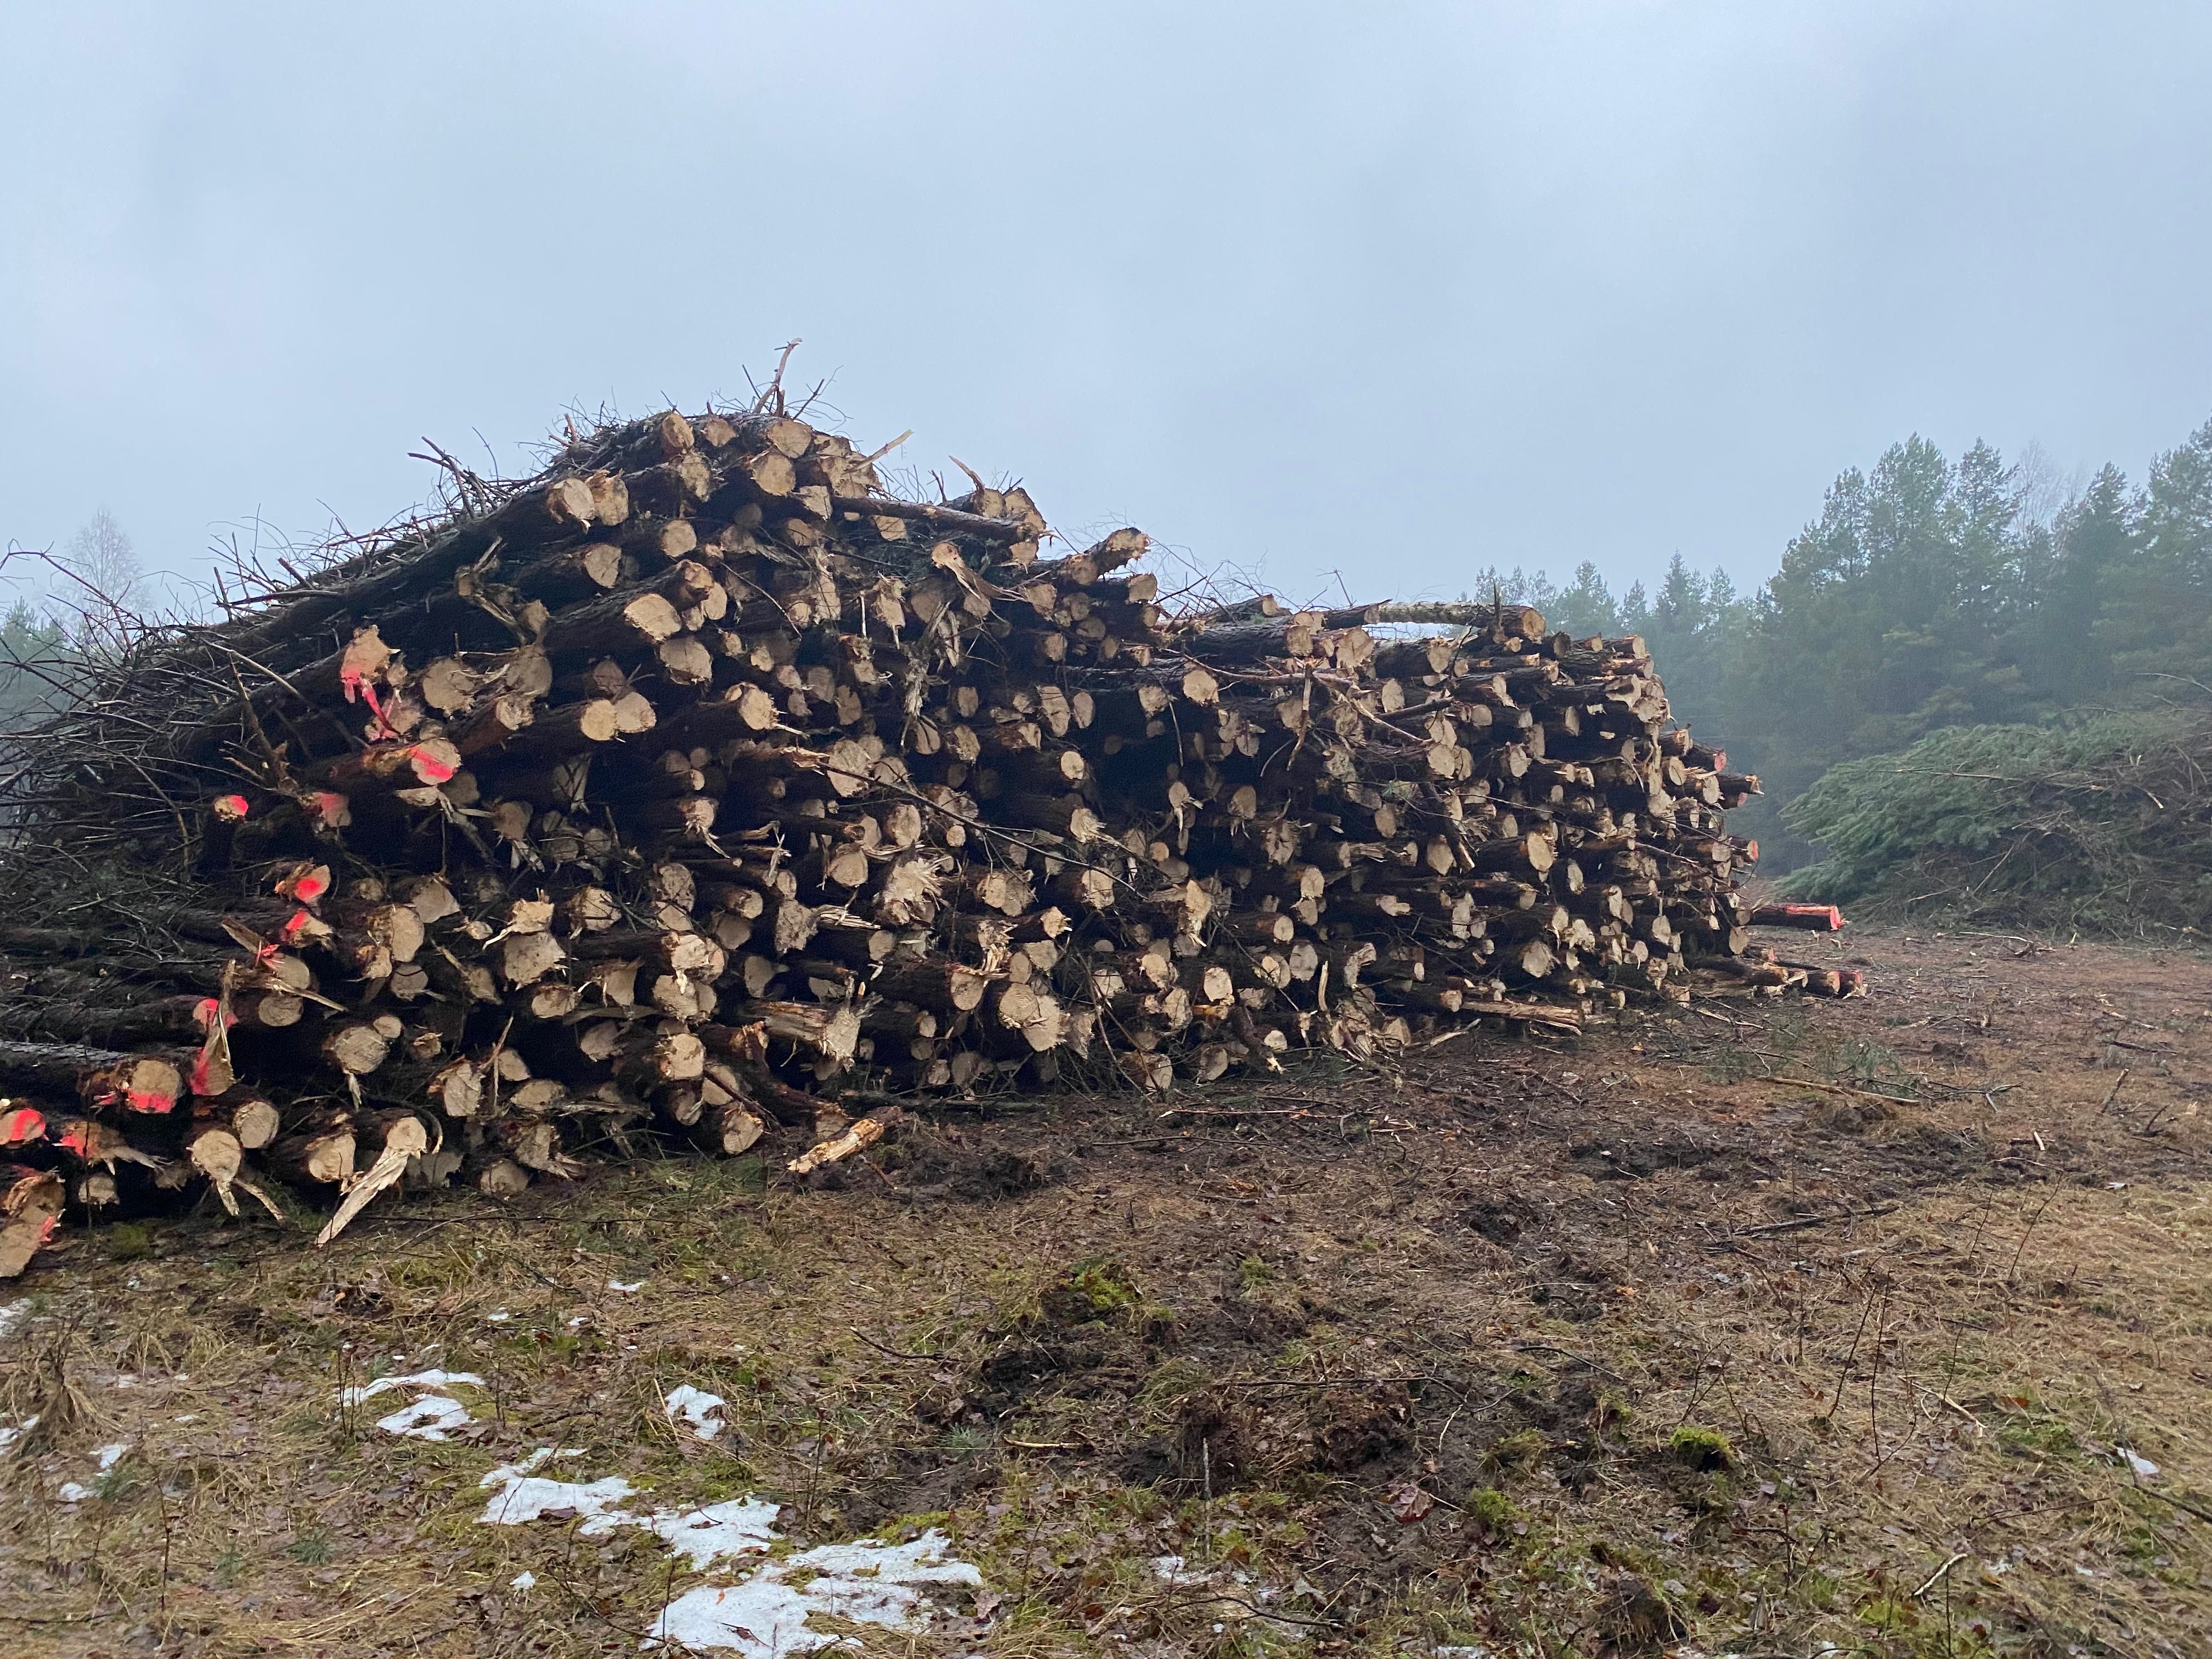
1397,289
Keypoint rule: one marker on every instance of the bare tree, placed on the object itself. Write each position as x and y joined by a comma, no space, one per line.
101,556
2044,488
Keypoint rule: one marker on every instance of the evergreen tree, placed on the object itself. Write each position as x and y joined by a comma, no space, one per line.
1514,586
32,647
1588,607
2067,645
2156,618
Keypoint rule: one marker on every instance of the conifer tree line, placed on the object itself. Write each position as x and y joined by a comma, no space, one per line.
1929,595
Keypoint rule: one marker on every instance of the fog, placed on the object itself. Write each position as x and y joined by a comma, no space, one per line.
1385,293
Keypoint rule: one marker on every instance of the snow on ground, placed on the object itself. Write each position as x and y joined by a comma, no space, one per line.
433,1416
106,1456
423,1380
764,1613
869,1581
429,1418
717,1532
525,1495
1170,1568
702,1410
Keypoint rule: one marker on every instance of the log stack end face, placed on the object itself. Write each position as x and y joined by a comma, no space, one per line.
682,791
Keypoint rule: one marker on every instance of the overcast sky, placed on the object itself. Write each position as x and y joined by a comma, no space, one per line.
1393,290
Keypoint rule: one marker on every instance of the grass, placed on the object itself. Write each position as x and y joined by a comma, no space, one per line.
1283,1355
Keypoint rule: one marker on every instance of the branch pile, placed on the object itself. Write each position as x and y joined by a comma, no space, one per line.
2100,824
699,789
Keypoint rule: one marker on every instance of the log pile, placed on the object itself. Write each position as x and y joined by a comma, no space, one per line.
701,790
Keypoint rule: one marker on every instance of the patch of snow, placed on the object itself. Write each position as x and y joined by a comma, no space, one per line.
354,1396
920,1562
189,1417
524,1495
631,1289
763,1616
73,1494
1170,1568
717,1532
11,1313
702,1410
703,1534
2144,1468
427,1419
10,1433
523,1581
499,1318
869,1582
109,1456
125,1379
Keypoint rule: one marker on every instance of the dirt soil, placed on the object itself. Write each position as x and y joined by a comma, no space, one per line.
1765,1328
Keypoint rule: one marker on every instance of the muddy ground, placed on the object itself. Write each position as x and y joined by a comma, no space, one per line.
1761,1327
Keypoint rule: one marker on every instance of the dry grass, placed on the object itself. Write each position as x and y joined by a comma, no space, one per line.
1553,1352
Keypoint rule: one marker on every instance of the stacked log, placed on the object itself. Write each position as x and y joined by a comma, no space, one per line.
698,788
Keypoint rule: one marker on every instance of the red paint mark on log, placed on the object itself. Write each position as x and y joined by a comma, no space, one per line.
430,768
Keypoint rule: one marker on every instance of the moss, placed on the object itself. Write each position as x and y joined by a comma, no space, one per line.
1702,1449
1493,1509
1093,1289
